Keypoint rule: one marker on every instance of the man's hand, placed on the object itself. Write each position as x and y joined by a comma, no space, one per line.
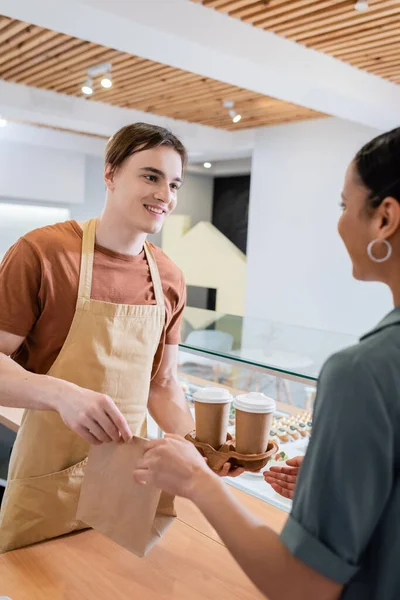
283,479
94,417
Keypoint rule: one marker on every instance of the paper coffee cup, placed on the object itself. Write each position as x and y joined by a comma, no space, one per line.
254,414
212,408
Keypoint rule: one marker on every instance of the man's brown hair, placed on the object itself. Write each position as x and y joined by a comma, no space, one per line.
138,137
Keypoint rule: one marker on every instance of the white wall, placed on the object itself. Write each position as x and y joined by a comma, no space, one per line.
298,269
94,192
25,213
17,219
31,173
223,168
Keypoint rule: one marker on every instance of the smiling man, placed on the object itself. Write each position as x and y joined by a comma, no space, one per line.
89,331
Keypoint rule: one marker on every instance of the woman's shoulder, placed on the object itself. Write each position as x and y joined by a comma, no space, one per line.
370,366
379,345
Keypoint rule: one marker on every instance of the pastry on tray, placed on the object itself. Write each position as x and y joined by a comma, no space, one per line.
302,430
283,434
293,431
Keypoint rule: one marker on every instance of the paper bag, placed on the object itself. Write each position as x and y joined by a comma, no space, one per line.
112,503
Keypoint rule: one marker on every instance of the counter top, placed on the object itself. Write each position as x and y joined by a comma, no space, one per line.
11,417
189,563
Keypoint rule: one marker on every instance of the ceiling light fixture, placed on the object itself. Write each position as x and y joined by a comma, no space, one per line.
103,70
87,88
207,165
3,122
106,81
361,5
229,104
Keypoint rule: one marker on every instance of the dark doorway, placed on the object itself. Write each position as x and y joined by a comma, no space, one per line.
200,297
231,208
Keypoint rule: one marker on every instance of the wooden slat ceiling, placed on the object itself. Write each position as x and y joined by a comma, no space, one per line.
368,40
45,59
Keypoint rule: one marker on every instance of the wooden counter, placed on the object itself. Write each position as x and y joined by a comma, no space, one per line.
11,417
189,563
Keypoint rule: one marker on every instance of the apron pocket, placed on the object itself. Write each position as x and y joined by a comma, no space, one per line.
39,508
72,470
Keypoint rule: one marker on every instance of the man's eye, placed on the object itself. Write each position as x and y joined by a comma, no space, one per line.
152,178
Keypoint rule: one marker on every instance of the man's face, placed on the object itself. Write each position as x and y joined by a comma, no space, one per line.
144,189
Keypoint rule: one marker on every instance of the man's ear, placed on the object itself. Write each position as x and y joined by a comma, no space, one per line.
109,177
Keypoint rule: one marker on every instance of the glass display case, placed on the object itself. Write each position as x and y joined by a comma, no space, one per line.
251,355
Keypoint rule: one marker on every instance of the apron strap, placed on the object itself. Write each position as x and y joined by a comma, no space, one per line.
86,273
155,275
87,257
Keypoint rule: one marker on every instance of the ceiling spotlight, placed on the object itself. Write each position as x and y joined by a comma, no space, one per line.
361,5
234,116
102,70
106,81
3,122
87,88
229,104
207,165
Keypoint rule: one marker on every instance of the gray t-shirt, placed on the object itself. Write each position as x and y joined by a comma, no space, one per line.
345,520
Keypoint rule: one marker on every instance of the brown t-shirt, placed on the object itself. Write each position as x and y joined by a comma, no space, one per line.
39,279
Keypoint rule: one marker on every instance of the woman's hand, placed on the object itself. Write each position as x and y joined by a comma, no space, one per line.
228,471
283,479
174,465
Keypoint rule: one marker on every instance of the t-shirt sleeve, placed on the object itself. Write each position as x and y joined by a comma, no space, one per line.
347,474
173,333
20,279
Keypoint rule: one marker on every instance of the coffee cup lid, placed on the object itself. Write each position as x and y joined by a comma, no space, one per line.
213,395
254,402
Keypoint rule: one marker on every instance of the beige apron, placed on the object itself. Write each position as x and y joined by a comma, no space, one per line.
109,349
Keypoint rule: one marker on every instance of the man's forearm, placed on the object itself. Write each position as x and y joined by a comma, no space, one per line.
21,389
257,549
169,408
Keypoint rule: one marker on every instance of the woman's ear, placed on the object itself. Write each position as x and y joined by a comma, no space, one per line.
389,217
109,177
